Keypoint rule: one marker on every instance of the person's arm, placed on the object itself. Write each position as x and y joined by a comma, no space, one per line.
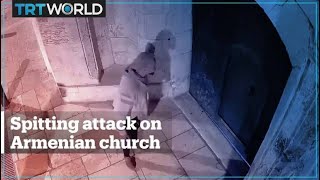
154,83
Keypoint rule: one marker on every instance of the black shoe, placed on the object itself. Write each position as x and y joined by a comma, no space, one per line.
133,161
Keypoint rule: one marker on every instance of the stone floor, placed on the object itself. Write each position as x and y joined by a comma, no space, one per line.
32,90
26,79
183,152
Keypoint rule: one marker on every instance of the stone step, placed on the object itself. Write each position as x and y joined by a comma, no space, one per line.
104,91
88,94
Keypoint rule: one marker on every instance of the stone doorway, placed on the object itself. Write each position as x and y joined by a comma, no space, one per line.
239,70
244,94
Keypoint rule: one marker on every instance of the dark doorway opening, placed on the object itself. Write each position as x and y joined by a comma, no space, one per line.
239,70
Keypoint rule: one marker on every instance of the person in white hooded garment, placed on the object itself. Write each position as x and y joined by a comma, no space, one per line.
132,99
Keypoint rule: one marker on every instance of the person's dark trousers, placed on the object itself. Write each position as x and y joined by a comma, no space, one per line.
132,134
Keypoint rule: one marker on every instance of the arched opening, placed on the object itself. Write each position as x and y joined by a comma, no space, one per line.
239,70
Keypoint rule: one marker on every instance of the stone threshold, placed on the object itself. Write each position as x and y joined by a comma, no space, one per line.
214,138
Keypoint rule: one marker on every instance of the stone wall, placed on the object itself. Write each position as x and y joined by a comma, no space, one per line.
131,26
289,148
117,40
69,47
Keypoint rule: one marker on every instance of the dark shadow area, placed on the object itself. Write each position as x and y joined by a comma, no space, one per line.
112,75
15,83
27,165
240,67
8,35
92,33
4,98
152,104
164,42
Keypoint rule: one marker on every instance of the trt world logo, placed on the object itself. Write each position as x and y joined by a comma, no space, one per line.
49,8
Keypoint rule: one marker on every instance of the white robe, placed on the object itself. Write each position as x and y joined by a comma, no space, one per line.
132,99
